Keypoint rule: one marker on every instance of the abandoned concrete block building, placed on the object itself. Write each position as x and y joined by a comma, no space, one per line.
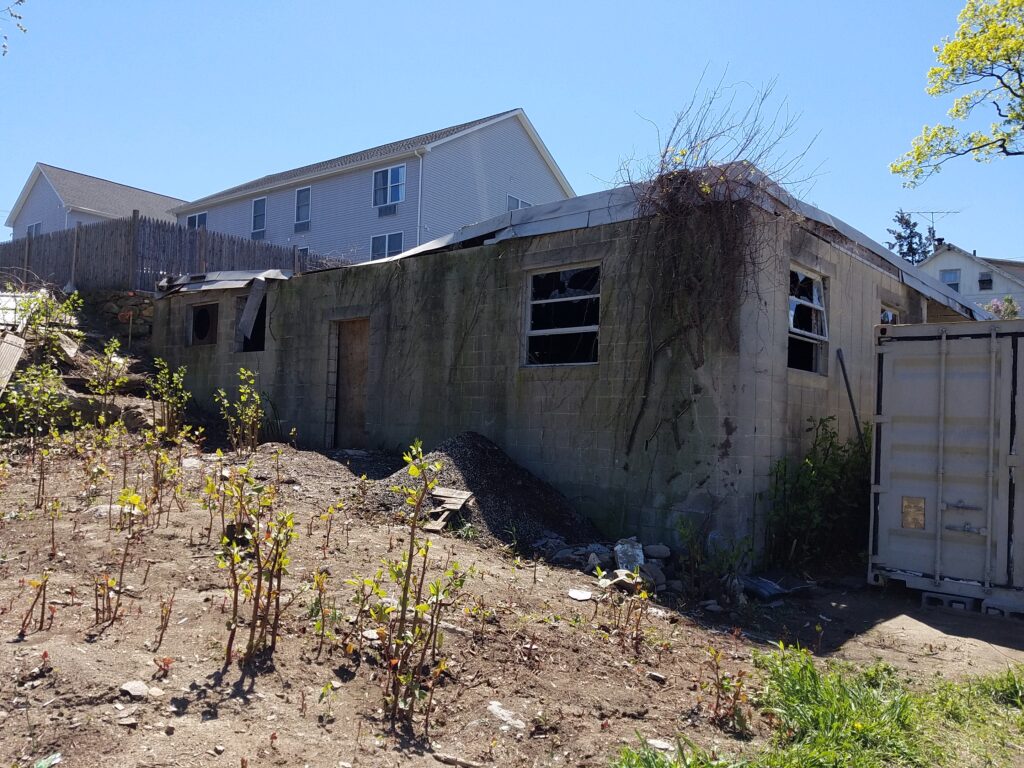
650,352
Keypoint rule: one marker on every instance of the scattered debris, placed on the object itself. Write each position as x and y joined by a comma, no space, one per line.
11,349
581,595
657,677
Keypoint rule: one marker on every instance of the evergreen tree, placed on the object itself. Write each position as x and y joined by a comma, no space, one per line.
907,241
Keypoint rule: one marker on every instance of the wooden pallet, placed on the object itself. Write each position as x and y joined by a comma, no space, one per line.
450,500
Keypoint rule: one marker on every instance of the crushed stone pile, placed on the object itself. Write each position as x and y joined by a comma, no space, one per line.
510,505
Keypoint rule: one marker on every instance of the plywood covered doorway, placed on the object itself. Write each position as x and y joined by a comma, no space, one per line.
353,368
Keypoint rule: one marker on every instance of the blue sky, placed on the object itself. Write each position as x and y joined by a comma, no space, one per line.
187,98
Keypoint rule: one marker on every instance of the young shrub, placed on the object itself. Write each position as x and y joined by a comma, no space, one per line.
407,627
46,318
34,402
108,375
820,506
168,391
244,415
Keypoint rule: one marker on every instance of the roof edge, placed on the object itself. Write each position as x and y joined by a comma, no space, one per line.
36,172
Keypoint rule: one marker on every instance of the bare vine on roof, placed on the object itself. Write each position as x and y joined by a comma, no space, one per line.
707,225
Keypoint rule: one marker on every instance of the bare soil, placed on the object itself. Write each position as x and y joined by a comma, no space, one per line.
575,688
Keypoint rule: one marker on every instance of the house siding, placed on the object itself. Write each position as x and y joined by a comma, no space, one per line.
469,178
465,180
342,219
970,269
42,205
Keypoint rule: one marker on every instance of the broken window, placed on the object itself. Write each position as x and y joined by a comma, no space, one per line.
984,281
808,323
204,324
564,311
889,316
251,319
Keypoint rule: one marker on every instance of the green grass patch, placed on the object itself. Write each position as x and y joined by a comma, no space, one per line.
833,715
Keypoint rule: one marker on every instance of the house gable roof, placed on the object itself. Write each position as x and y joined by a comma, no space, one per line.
90,194
377,154
1008,270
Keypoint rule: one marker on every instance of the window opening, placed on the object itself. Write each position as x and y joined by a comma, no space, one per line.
302,203
984,281
382,246
204,324
259,218
389,185
808,323
564,317
951,277
196,221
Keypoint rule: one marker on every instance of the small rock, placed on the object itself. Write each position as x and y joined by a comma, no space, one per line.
370,634
712,606
661,745
129,722
219,749
657,677
629,553
509,718
657,551
581,595
191,462
136,689
156,693
653,573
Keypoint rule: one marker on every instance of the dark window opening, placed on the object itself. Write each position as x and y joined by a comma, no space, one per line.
803,354
565,308
985,281
196,221
257,341
204,324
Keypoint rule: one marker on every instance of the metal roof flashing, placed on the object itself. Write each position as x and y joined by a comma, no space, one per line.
217,281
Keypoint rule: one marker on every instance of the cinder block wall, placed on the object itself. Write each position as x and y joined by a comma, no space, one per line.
447,334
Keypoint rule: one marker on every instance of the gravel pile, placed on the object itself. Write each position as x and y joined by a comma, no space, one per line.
511,506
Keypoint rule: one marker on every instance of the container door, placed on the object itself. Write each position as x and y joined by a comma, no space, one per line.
943,441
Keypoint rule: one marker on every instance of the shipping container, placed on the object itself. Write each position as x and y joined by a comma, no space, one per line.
946,499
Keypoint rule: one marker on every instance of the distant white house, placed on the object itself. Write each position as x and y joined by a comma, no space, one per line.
56,198
388,199
977,279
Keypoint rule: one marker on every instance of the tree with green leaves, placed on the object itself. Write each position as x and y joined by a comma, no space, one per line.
985,60
907,241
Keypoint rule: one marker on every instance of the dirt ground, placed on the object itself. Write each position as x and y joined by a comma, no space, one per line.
546,680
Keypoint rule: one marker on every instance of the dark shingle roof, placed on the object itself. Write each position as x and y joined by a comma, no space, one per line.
340,163
108,198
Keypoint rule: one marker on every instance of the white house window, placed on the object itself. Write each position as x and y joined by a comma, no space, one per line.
984,281
808,322
382,246
514,203
196,221
302,201
259,218
34,230
564,311
389,185
951,277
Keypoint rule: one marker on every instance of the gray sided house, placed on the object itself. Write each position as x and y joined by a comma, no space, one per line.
385,200
55,198
651,366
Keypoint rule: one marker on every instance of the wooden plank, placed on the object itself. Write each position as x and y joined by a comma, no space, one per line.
451,493
436,526
11,348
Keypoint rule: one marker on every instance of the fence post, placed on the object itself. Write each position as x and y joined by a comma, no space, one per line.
296,269
132,231
28,247
74,255
202,249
